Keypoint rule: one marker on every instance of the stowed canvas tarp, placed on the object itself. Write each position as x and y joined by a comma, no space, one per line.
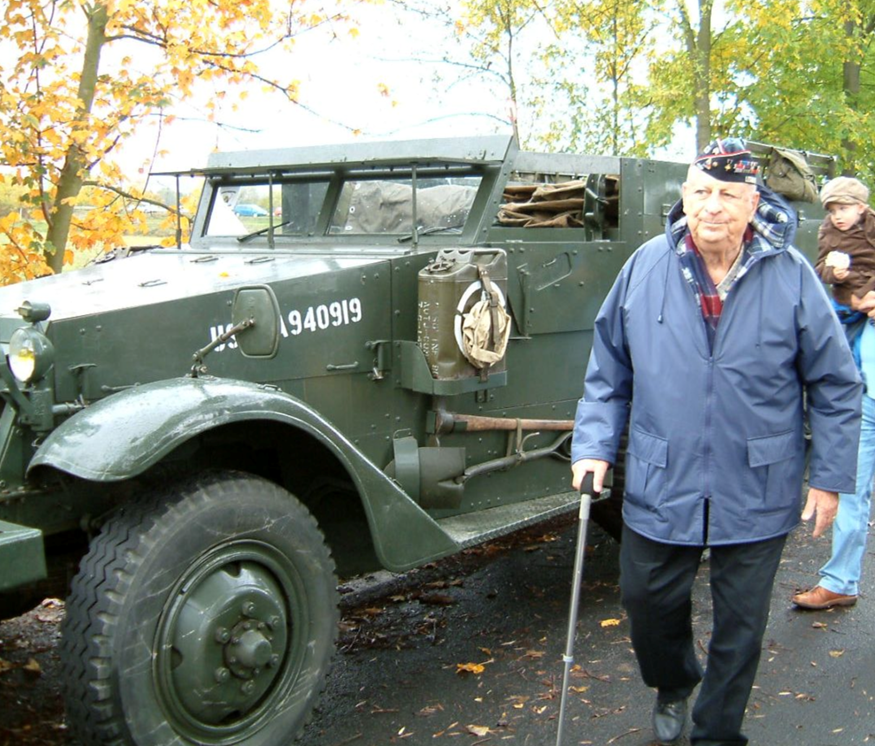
544,205
387,207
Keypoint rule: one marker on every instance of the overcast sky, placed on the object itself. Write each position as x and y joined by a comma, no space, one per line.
340,89
342,81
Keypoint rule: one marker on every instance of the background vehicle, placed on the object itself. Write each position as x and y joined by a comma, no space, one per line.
250,211
221,428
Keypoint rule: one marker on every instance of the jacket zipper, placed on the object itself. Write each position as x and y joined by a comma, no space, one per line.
709,396
709,389
709,403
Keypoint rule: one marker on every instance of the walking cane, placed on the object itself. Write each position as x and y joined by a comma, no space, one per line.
586,490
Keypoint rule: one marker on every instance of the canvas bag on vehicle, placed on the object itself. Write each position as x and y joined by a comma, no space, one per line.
789,174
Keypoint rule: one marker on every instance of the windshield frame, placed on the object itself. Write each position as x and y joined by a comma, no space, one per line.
486,155
334,181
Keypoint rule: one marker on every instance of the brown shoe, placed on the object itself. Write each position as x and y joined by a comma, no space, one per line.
820,598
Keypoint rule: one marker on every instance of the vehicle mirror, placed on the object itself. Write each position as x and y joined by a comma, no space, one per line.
260,305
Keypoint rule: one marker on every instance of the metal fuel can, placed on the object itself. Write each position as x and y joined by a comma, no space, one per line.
449,286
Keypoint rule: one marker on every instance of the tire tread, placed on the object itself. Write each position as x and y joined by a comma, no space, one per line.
99,591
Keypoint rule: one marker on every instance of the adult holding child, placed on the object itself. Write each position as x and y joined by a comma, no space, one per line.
846,261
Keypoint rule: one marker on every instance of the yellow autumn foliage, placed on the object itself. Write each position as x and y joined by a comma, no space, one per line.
19,258
86,74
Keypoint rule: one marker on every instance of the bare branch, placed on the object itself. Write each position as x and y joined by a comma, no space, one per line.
127,195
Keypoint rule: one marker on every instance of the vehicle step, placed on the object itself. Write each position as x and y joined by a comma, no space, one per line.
470,529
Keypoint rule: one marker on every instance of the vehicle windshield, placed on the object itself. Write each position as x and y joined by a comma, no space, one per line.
362,206
239,210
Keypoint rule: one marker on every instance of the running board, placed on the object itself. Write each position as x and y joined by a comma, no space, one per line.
470,529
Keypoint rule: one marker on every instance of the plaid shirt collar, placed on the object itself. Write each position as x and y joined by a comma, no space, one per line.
766,234
708,297
705,292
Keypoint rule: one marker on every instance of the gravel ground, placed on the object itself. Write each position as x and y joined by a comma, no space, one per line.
31,710
504,605
31,702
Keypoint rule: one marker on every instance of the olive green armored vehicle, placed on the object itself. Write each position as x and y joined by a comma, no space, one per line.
366,356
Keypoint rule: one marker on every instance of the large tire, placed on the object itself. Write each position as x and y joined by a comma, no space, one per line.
207,614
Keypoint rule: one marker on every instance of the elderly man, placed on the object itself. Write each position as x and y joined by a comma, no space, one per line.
705,345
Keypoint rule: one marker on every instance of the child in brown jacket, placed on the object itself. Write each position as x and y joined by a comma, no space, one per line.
846,240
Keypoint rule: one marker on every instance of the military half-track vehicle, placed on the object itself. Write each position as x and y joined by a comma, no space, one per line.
377,368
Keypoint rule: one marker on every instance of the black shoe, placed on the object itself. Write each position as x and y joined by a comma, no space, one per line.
669,719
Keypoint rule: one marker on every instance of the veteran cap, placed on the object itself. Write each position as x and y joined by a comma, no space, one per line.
728,160
845,191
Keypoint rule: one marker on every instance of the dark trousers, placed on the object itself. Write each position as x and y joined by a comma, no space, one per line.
656,581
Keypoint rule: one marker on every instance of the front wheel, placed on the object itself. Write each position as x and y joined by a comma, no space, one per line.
205,615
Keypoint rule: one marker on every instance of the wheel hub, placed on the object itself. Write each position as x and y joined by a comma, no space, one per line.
225,640
249,650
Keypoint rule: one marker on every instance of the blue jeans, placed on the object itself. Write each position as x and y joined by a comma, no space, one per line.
842,573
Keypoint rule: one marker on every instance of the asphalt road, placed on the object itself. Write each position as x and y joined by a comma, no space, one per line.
469,651
401,676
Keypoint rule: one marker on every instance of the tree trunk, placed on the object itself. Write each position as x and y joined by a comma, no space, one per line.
72,173
851,89
511,82
698,45
702,77
615,84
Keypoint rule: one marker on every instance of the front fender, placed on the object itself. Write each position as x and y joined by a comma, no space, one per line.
123,435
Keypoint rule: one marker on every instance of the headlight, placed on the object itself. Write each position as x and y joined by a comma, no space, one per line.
30,354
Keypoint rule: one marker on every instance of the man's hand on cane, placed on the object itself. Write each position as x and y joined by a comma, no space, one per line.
585,466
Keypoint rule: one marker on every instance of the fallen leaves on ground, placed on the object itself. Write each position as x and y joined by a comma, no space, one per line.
455,583
434,599
51,611
629,732
519,701
33,666
475,668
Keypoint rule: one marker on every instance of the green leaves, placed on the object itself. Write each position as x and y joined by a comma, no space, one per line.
629,75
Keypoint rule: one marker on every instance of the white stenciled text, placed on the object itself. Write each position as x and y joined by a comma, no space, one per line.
299,321
325,316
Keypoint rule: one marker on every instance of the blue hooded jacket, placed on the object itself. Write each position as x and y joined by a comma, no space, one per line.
716,449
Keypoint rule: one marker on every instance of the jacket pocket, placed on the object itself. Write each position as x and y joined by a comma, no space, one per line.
646,461
772,459
770,449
